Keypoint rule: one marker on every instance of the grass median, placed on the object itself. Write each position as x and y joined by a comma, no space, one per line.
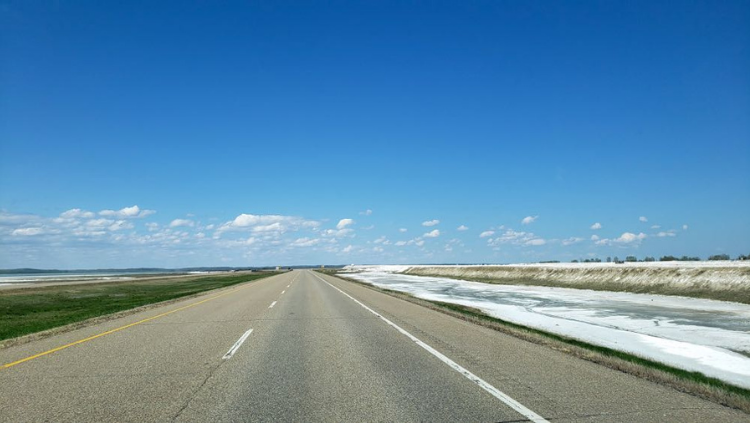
25,311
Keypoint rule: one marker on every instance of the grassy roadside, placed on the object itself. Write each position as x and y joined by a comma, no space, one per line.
29,310
690,382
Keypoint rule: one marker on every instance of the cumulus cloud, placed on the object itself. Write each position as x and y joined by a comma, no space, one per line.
516,238
265,223
337,233
430,222
571,241
27,231
594,237
181,222
77,214
655,226
382,240
347,249
596,226
432,234
485,234
272,227
462,228
305,242
666,234
151,226
120,224
643,219
684,227
400,243
402,230
627,237
343,223
127,212
536,241
366,212
245,220
529,220
99,223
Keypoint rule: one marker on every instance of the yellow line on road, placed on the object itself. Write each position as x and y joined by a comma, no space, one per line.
81,341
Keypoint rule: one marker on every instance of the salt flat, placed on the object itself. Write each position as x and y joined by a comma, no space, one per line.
712,337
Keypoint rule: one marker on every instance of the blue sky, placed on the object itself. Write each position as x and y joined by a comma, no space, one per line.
175,134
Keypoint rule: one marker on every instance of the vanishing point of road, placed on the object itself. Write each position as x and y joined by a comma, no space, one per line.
302,346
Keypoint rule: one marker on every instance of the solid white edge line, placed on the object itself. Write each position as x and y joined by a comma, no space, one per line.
236,345
510,402
282,292
272,304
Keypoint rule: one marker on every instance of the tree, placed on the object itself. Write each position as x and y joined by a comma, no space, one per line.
719,257
649,259
609,259
631,258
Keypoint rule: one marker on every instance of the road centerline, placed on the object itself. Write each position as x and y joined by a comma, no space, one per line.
507,400
272,304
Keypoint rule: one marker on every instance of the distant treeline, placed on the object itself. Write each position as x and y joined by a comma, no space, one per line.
630,259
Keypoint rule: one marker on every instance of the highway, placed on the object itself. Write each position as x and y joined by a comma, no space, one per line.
302,346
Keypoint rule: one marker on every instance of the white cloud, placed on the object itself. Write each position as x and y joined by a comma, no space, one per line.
529,219
462,228
127,212
430,222
245,220
181,222
77,213
27,232
347,249
596,226
382,240
643,219
666,234
367,212
99,223
432,234
337,233
265,223
400,243
419,243
684,227
516,238
273,227
655,226
120,224
571,241
343,223
485,234
402,230
627,237
151,226
594,237
536,241
305,242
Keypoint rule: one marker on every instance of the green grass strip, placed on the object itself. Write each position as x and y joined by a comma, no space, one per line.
30,310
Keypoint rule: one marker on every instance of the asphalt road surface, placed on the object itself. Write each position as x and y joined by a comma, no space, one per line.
306,347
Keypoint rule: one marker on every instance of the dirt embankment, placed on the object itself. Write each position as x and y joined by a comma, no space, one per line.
727,282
